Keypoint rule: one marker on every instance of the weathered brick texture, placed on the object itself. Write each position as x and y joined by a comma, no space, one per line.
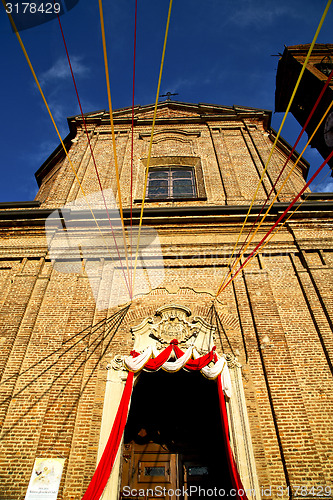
276,315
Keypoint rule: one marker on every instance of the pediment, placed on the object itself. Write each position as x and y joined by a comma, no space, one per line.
167,134
171,109
168,112
171,322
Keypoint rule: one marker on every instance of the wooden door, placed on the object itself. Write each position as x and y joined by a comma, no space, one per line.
150,472
171,441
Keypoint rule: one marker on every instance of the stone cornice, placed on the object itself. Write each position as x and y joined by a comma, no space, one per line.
170,215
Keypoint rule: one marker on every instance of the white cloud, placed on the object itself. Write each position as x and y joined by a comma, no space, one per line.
214,75
325,187
87,106
40,153
58,111
181,83
60,70
28,188
252,12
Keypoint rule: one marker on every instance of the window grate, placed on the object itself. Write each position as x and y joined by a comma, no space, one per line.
325,65
171,183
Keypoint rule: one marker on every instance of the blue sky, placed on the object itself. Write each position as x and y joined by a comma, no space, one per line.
218,51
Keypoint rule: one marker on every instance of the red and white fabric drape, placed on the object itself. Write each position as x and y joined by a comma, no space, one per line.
212,367
151,360
104,467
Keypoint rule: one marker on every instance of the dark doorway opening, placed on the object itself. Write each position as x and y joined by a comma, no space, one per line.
173,438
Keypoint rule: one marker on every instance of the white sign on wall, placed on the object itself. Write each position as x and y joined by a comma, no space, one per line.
45,479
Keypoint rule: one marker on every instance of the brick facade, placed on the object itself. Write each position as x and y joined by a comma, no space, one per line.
276,315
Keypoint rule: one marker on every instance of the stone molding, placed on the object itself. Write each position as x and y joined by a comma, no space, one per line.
200,334
173,325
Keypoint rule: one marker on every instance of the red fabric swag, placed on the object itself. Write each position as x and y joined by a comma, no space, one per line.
199,363
104,468
195,364
103,471
235,478
156,363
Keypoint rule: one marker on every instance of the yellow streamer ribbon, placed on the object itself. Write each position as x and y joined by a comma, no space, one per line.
291,171
277,137
151,140
282,186
113,132
278,228
54,124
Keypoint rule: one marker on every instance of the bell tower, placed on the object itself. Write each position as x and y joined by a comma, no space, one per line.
317,71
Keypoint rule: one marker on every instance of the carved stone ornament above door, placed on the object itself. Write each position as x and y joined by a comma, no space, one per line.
173,325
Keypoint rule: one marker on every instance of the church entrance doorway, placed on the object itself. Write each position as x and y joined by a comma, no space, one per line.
173,443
